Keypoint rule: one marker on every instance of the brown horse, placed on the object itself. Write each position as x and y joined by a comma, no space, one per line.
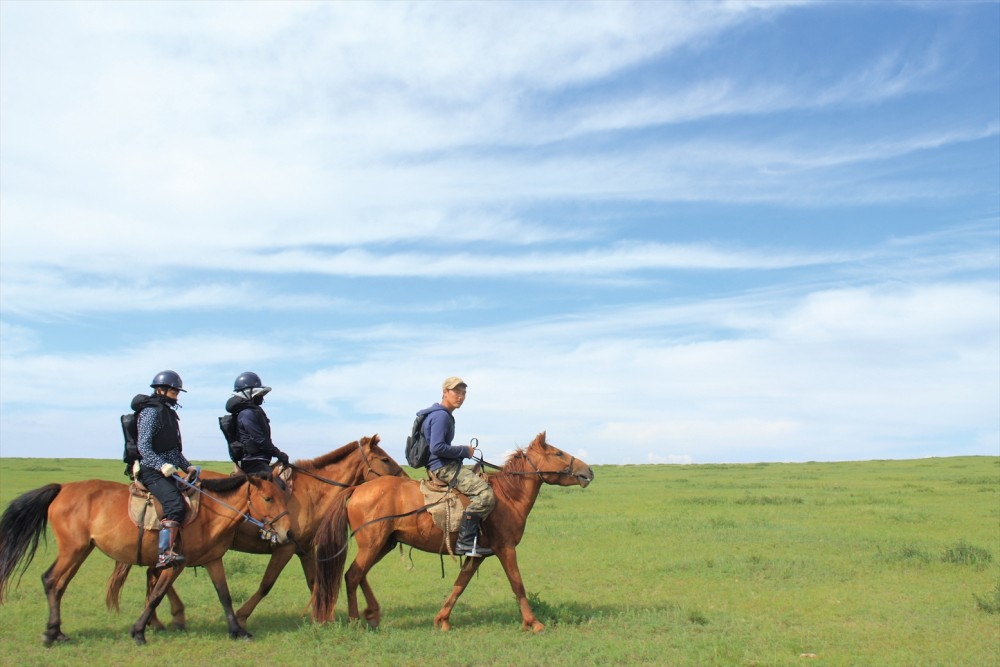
389,509
95,513
312,489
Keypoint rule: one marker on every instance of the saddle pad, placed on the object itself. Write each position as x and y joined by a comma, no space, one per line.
143,506
447,515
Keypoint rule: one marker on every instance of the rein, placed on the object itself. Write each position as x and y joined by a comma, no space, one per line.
267,531
568,470
333,482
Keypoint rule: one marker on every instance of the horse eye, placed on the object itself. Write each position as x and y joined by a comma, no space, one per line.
267,499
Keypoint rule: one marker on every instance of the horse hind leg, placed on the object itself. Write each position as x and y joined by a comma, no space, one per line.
372,612
54,582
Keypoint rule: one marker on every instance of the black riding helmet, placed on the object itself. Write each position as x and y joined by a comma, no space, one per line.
249,384
247,380
168,379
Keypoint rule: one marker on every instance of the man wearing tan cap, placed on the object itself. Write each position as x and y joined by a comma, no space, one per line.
445,464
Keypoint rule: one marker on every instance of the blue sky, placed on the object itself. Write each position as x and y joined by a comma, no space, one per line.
661,232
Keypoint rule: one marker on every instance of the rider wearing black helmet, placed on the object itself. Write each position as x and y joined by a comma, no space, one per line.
161,458
253,426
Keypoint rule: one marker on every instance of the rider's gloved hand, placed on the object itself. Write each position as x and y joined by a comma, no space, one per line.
168,469
283,458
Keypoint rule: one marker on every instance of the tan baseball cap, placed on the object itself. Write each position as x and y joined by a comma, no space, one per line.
453,382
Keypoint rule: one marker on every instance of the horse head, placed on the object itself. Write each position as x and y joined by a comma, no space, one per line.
380,464
266,505
555,466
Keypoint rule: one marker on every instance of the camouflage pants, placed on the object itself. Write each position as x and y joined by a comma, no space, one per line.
481,498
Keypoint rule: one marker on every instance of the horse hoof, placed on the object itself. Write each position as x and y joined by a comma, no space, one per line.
49,639
179,627
140,638
242,634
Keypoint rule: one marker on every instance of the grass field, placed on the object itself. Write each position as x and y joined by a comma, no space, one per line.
859,563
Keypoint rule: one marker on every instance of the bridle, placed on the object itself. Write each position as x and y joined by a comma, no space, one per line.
267,529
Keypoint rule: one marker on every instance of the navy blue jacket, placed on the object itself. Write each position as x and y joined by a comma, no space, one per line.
439,429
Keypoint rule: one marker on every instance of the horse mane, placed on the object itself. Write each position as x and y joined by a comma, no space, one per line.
336,456
506,482
223,484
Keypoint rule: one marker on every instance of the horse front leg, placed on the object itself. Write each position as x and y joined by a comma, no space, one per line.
217,572
164,580
54,583
443,618
279,558
508,559
178,621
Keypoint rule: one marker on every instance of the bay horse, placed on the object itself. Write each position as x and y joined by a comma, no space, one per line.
312,487
94,513
388,510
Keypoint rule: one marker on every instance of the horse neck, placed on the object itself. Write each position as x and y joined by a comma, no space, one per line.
518,492
226,518
350,469
313,495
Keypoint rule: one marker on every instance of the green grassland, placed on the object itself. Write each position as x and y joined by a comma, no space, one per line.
858,563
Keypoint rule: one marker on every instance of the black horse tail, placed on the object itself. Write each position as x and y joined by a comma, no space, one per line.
331,556
21,527
115,584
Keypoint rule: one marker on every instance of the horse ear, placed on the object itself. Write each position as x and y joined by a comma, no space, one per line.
376,439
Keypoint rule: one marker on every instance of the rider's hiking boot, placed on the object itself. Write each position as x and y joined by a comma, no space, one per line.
168,542
468,538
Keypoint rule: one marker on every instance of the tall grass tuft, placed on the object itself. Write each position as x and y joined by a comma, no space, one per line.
990,603
963,553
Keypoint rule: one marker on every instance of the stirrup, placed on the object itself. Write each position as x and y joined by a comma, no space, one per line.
475,551
168,560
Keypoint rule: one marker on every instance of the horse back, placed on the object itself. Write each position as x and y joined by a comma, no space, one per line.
386,497
87,509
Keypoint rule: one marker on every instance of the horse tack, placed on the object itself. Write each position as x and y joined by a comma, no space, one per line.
140,500
445,505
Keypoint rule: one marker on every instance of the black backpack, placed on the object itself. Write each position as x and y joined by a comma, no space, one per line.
130,429
418,450
227,424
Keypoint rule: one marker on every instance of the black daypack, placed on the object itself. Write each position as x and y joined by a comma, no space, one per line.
227,424
418,449
130,429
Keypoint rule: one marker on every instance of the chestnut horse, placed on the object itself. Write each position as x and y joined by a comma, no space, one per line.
312,488
388,510
95,513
